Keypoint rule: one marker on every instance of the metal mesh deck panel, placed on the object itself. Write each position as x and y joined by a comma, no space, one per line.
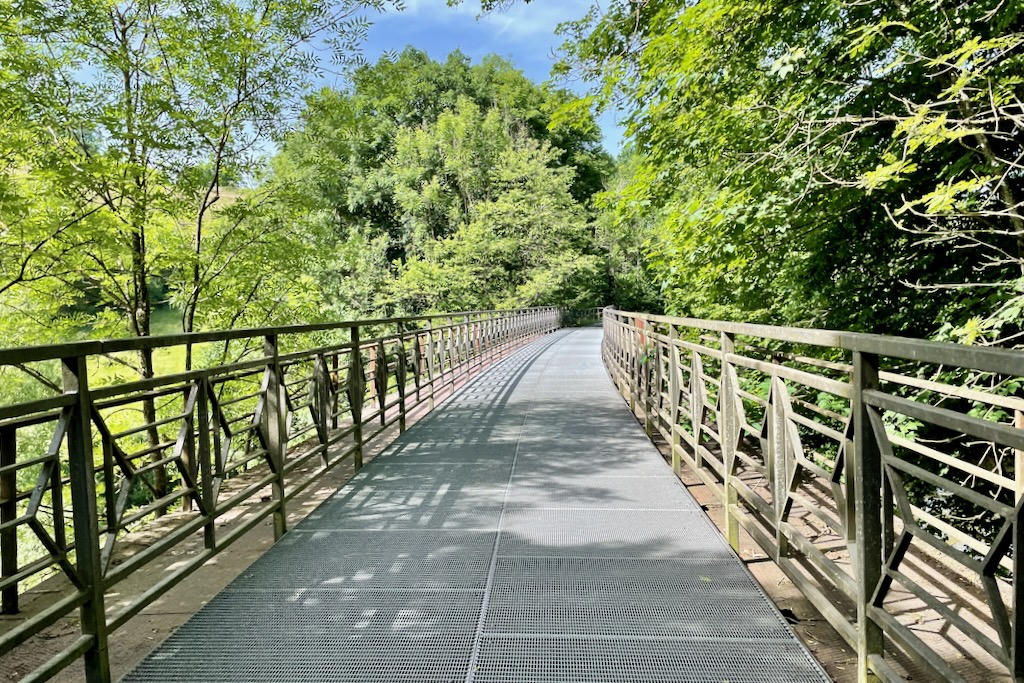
526,531
517,659
436,560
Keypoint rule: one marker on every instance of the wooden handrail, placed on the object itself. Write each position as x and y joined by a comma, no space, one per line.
276,419
884,475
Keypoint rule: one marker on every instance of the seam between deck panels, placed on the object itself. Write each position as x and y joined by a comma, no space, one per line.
478,636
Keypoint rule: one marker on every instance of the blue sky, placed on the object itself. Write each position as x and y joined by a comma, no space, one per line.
524,34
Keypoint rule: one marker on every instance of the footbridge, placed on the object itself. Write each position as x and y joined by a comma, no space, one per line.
521,517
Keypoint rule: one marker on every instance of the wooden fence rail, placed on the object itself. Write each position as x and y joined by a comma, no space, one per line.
883,475
262,414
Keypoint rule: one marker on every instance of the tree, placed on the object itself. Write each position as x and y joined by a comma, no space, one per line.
152,108
407,156
775,156
134,117
493,220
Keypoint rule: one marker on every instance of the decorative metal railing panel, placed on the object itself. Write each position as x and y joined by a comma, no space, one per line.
88,453
883,475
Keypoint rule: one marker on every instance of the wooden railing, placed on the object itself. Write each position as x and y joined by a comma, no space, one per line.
89,452
883,475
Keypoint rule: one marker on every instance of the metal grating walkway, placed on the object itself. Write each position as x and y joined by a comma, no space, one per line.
525,531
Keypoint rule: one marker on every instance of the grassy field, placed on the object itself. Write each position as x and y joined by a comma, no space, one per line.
165,320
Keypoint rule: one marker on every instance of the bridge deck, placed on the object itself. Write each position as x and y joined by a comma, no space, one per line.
525,531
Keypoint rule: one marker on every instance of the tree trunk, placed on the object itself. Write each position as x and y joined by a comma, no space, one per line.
140,317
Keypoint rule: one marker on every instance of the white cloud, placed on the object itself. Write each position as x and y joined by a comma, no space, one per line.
521,21
537,19
436,10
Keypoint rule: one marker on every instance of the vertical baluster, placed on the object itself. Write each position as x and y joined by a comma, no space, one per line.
629,342
728,431
1017,618
466,343
356,389
867,472
277,431
673,395
450,351
335,384
781,465
380,380
205,456
400,376
322,403
86,524
371,369
697,406
430,364
8,513
654,393
485,336
417,363
188,446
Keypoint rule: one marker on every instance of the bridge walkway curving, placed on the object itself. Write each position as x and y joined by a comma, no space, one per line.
525,531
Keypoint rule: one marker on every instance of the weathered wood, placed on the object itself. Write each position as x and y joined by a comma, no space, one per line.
321,402
380,379
867,474
673,390
88,569
861,510
275,416
729,433
431,367
8,513
207,466
781,466
401,377
356,391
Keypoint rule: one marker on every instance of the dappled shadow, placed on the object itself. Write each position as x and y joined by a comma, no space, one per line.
516,532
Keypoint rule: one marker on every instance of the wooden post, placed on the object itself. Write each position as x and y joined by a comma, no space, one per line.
728,431
417,363
86,524
1016,643
430,365
654,403
8,513
478,327
867,485
780,460
356,389
335,385
277,431
188,446
400,377
380,380
467,343
206,464
371,368
485,335
322,403
673,395
634,365
696,406
1018,459
450,349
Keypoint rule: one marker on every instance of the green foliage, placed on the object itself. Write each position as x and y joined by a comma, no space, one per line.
521,241
129,125
842,164
459,172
